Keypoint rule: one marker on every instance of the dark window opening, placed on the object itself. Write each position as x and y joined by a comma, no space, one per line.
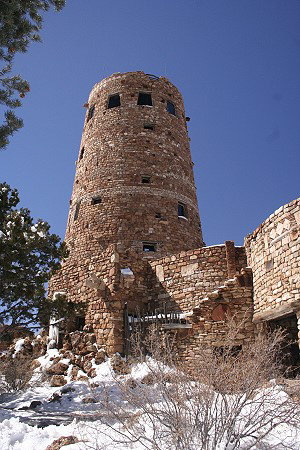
269,265
148,126
81,153
149,247
158,215
181,210
171,108
76,213
145,179
144,99
90,112
96,200
114,101
80,323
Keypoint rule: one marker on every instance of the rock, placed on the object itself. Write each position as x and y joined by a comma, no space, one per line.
34,364
57,380
92,372
60,442
82,378
57,369
148,379
89,399
74,372
100,357
119,365
67,389
55,397
88,328
130,383
34,404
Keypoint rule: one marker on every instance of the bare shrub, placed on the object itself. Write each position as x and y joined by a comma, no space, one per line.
228,399
15,373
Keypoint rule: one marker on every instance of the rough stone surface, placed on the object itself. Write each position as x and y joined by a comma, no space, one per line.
57,380
61,442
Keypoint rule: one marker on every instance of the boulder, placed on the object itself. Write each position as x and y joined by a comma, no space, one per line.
57,380
100,357
89,399
34,404
60,442
57,369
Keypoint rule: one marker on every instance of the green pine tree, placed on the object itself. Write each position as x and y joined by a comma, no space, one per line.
28,256
20,23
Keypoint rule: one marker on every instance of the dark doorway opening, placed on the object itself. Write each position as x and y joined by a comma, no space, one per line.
290,349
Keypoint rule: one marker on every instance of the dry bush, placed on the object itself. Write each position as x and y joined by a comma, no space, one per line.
15,373
228,399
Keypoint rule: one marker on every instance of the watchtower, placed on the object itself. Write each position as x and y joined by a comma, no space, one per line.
134,187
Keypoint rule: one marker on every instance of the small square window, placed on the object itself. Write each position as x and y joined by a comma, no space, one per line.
144,99
96,200
158,215
149,247
269,265
145,179
90,112
182,210
148,126
114,101
171,108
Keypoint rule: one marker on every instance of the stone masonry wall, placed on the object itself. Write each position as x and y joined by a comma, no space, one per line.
185,278
225,311
273,251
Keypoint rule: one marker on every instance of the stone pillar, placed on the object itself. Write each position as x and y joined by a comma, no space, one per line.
230,257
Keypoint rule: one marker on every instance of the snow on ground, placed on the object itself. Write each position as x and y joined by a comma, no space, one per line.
73,414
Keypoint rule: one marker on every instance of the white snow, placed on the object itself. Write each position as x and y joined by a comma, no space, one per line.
19,345
17,435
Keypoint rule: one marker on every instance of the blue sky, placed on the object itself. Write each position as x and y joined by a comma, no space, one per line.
237,64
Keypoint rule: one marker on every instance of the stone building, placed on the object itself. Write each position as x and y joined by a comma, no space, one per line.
134,231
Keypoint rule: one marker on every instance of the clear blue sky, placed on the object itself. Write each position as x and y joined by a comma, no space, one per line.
237,64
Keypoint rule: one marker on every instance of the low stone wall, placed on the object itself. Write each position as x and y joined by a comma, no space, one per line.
227,311
273,251
183,279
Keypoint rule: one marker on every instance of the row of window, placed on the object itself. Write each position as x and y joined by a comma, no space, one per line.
144,99
181,208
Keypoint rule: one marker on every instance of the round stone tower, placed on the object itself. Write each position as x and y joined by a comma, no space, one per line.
134,199
134,183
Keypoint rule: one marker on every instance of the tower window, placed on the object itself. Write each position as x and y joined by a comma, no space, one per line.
114,101
144,99
145,179
171,108
148,126
158,215
96,200
182,212
81,153
80,323
149,247
77,208
90,112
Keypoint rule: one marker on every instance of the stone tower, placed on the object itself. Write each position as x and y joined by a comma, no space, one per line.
134,195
